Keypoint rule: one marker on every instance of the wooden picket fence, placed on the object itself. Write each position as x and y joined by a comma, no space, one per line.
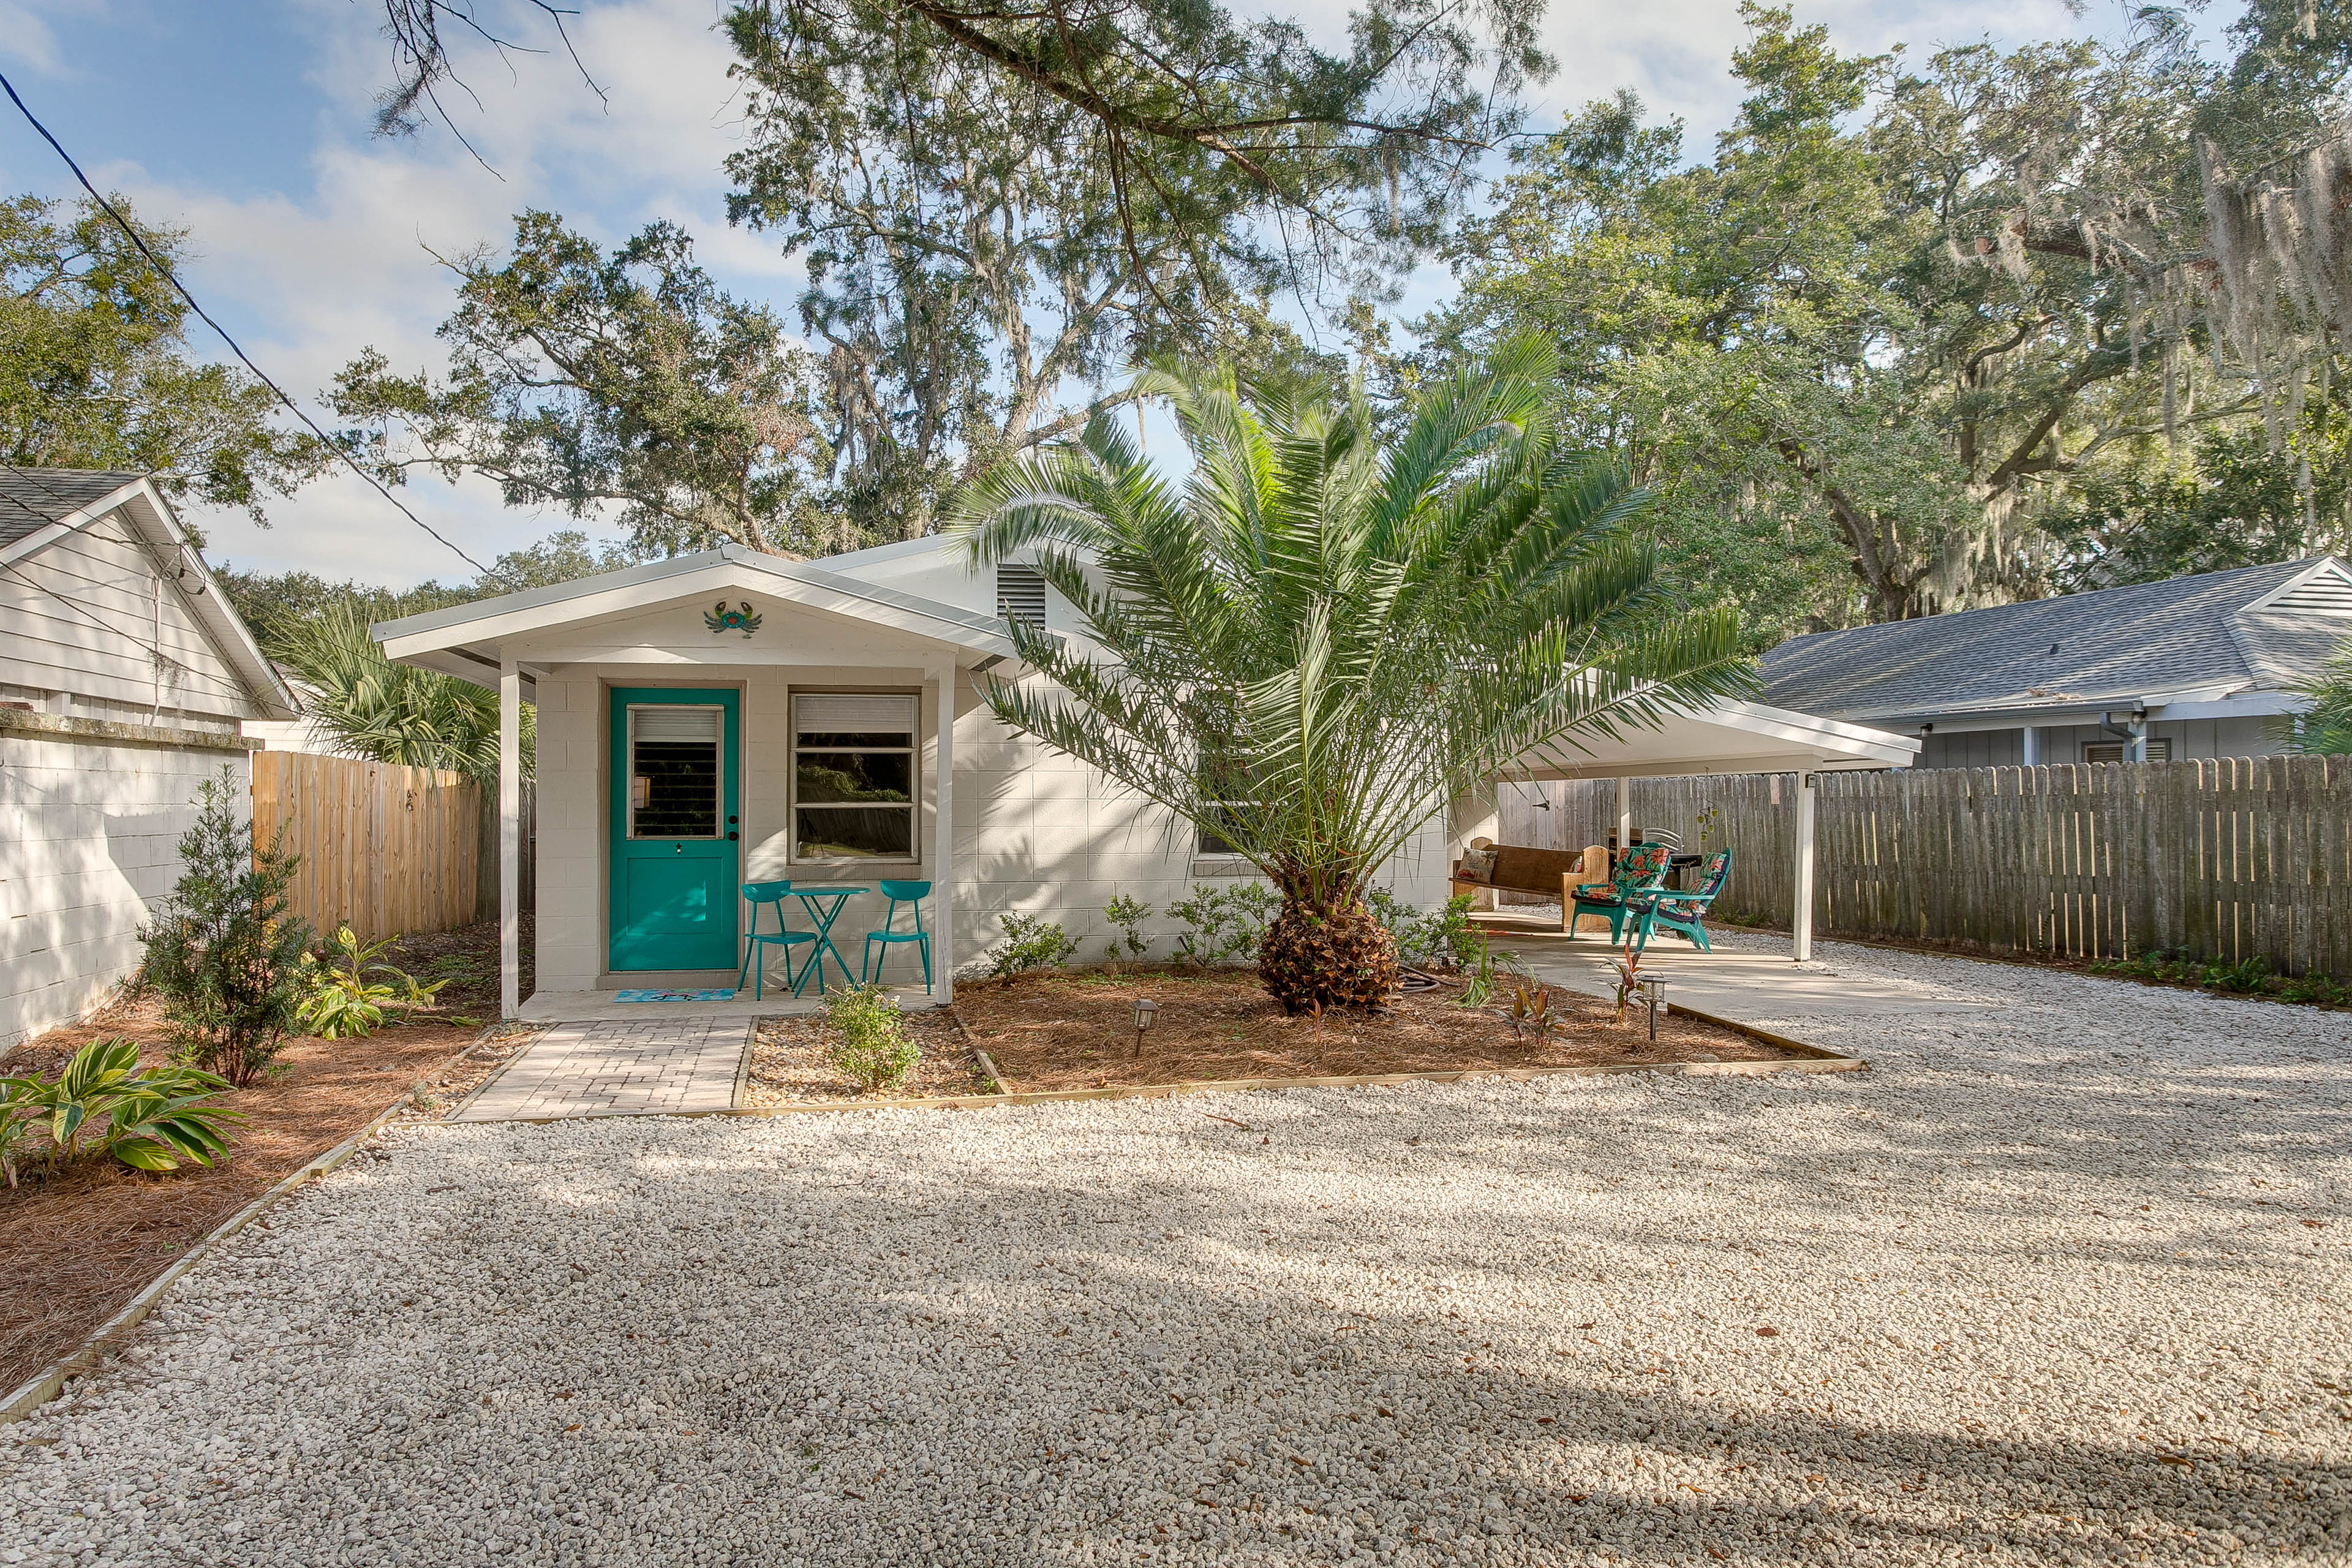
385,848
2234,857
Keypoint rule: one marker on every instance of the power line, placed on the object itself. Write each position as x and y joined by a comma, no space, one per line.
172,279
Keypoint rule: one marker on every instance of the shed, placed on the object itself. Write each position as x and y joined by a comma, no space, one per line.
126,679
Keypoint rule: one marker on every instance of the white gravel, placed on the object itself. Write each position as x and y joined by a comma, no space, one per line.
2059,1282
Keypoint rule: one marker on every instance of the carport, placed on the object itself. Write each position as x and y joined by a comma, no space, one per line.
1730,738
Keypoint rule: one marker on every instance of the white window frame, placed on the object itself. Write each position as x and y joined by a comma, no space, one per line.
914,806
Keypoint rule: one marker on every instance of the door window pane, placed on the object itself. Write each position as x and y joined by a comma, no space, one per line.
674,771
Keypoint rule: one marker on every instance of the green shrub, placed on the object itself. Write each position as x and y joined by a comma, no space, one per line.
1222,923
873,1047
1031,941
224,953
1129,915
1444,936
103,1102
350,995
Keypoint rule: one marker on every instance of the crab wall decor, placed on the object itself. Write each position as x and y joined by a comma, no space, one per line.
721,620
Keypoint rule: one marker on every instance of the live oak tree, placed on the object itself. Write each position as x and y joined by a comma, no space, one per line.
1902,308
999,209
1317,640
588,380
96,371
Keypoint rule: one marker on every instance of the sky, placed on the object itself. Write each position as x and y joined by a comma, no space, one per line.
247,123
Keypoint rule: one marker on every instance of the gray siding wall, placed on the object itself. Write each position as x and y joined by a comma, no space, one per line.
2192,738
79,618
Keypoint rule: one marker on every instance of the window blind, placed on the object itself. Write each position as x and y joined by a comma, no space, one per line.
667,724
829,714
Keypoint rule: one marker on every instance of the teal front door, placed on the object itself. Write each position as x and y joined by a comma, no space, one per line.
676,837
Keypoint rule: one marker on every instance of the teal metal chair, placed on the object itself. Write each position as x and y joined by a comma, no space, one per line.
1639,871
1682,912
912,895
769,895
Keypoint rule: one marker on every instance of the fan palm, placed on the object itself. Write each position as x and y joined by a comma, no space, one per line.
2325,728
1316,641
367,706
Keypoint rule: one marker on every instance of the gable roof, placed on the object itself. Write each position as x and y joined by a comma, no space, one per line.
32,499
2258,628
40,506
457,640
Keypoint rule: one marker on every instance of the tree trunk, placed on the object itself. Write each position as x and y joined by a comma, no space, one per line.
1335,955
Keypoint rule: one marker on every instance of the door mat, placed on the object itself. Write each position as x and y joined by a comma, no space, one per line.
726,995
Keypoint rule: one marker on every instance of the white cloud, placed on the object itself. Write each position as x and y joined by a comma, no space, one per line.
310,277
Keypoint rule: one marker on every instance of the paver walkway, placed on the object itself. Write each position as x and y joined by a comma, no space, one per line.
634,1068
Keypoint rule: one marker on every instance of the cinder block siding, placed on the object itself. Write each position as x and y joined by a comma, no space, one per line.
1034,832
89,837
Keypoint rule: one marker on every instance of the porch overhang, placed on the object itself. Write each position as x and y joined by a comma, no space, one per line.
1724,737
1730,737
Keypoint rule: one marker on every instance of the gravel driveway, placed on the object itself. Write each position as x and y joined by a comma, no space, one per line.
2060,1282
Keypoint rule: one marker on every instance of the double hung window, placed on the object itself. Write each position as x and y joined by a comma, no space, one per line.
854,775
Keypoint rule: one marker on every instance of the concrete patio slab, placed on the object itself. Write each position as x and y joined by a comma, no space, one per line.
1748,979
643,1066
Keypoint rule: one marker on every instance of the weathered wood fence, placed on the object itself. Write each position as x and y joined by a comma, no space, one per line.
2232,857
384,848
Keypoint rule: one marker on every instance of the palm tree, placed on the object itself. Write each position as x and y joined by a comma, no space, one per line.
2326,729
369,707
1315,642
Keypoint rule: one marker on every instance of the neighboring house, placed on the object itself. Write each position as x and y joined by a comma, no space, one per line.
731,716
125,681
2196,667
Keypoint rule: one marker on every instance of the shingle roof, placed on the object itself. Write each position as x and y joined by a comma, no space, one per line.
31,498
2126,642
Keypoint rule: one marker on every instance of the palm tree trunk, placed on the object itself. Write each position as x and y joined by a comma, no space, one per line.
1324,949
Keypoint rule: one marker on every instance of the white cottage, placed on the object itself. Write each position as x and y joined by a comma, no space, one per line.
731,716
126,679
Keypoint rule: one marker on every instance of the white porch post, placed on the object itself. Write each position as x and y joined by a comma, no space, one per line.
2032,751
1625,815
509,838
943,840
1800,922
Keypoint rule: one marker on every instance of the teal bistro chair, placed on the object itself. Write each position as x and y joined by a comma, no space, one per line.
769,895
1639,871
912,895
1681,913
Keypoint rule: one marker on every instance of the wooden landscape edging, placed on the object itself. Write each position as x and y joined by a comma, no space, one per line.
47,1383
1811,1060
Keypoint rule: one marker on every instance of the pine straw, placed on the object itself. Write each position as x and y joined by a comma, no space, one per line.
81,1242
1077,1030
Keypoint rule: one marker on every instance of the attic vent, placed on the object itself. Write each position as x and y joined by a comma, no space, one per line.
1021,594
2329,593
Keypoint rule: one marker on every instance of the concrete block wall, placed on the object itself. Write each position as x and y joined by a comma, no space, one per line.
1039,833
1034,832
90,836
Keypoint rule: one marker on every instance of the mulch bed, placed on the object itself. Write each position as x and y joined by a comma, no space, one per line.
1077,1030
791,1064
80,1243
